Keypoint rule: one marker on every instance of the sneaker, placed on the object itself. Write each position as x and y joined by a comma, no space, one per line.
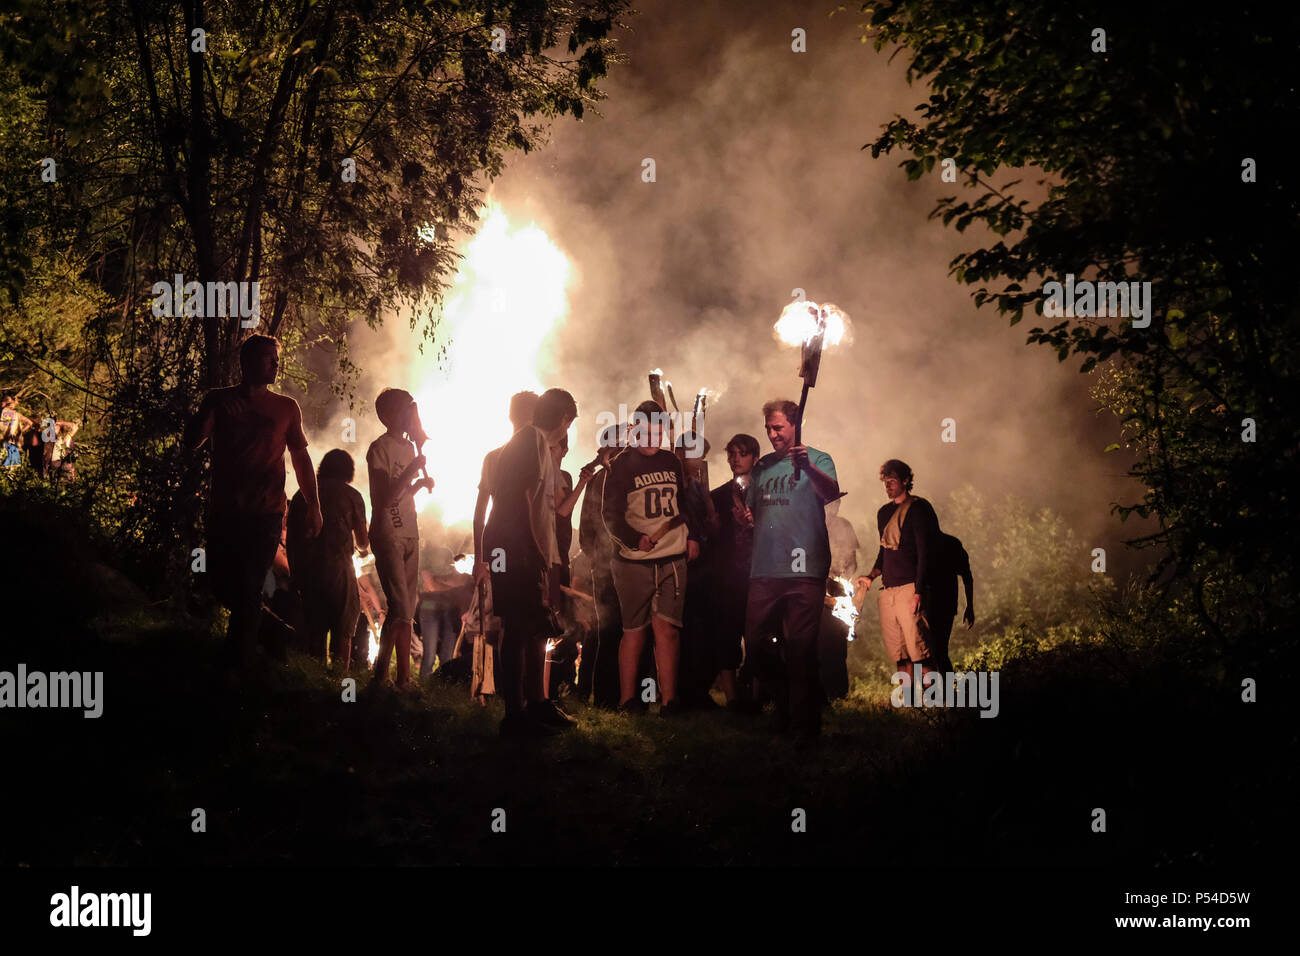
634,707
545,712
521,725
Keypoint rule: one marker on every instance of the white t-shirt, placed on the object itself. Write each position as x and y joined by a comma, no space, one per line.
390,456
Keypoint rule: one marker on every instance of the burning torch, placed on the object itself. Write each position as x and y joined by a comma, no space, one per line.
415,431
813,327
657,386
699,411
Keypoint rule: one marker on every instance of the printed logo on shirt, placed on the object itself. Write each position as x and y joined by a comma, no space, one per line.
771,488
654,478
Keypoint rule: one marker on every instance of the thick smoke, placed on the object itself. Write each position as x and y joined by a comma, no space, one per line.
762,188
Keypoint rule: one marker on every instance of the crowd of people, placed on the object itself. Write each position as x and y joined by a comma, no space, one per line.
675,590
44,446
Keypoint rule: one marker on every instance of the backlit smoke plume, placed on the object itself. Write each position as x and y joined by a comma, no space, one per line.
761,192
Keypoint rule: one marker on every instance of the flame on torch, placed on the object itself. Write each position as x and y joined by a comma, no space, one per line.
464,564
843,610
801,320
699,411
360,565
813,327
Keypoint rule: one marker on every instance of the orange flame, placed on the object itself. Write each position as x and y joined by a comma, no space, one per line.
843,610
799,322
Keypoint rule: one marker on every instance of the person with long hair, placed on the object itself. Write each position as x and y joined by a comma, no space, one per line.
322,570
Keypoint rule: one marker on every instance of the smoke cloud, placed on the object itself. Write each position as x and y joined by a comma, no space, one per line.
761,188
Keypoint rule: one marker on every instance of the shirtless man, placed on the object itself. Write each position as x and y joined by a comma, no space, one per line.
250,427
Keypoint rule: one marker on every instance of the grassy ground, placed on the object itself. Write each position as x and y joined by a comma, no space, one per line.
1152,731
289,773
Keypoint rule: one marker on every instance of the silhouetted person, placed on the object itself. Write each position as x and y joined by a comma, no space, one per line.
731,552
948,562
699,664
250,427
598,673
444,598
394,464
522,405
521,552
566,498
322,569
844,543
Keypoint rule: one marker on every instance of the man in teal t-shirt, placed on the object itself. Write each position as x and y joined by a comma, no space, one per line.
792,559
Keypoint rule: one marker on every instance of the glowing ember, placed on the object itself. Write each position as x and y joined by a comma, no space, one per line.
843,609
465,565
506,300
798,323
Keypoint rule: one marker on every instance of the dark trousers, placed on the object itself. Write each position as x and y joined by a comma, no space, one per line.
358,656
940,633
833,656
240,551
330,607
608,635
439,630
697,668
525,627
792,607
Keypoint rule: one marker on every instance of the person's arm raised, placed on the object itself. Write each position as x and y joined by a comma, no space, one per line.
565,508
827,488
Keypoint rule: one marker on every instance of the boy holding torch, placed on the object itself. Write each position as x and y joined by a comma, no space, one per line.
394,466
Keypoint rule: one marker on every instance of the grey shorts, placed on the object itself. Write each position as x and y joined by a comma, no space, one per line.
649,587
397,562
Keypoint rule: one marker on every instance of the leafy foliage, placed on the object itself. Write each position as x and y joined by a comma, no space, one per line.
1030,569
1140,154
227,157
